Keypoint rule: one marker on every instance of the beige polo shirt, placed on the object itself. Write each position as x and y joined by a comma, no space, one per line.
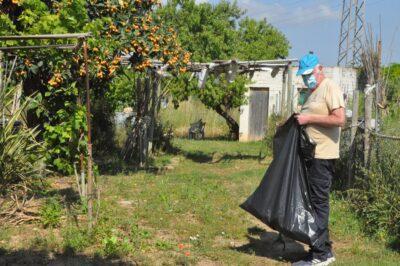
326,98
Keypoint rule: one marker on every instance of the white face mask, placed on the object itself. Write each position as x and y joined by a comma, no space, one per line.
310,81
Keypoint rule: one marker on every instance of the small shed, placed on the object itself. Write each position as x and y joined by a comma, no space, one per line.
277,90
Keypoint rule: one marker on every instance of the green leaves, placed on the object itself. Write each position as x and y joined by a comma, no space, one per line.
218,32
63,139
260,40
207,31
20,154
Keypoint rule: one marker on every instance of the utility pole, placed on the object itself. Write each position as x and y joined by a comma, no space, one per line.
352,29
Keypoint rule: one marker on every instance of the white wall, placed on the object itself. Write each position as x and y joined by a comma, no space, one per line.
345,77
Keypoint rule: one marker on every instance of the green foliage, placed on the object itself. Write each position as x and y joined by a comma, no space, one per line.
51,212
220,92
273,122
20,154
217,32
391,75
114,246
110,246
6,25
376,198
63,141
119,27
122,92
48,242
75,239
164,245
205,30
260,40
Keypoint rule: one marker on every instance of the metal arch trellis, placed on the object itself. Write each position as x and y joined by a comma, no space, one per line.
231,68
81,42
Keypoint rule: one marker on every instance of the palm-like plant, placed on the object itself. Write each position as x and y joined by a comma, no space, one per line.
20,152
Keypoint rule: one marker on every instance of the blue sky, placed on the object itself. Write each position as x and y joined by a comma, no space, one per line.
315,24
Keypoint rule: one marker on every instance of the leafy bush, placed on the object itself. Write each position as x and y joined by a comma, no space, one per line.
20,154
51,213
110,246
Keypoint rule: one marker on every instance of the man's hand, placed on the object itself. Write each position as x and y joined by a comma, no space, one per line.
302,119
336,119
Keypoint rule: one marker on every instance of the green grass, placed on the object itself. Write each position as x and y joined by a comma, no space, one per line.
190,112
191,215
196,204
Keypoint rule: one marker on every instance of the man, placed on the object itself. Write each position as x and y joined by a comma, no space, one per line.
323,114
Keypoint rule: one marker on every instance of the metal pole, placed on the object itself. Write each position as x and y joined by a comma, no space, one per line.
46,36
89,139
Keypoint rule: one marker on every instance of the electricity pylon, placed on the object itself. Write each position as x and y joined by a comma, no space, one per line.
352,30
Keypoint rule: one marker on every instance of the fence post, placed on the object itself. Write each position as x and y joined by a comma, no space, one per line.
289,89
353,129
283,99
367,123
354,118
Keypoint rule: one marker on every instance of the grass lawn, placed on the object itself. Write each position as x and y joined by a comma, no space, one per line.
187,215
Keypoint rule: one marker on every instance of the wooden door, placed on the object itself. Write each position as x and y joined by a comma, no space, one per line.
258,103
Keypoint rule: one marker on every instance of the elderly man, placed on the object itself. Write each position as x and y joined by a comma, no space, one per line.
323,114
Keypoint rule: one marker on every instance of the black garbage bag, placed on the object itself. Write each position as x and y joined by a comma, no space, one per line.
282,199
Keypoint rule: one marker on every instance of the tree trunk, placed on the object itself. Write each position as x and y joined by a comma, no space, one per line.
232,124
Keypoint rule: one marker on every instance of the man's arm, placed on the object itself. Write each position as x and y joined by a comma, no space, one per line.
335,119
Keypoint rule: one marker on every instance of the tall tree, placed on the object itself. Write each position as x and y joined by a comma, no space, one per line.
260,40
207,31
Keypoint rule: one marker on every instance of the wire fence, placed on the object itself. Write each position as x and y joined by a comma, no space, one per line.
355,162
372,184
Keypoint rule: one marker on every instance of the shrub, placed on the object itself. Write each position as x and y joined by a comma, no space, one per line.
20,154
116,245
51,212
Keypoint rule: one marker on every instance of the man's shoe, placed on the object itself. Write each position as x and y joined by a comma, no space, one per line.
316,262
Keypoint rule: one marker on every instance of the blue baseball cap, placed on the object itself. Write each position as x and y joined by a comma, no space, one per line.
307,63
